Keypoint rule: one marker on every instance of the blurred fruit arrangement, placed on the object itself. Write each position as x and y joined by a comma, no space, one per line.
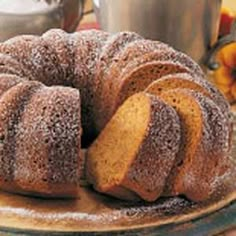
225,75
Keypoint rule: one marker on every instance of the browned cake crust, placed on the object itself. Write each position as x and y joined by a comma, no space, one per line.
50,131
12,103
35,54
212,164
58,39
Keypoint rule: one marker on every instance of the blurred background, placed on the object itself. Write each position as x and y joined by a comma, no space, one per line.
91,17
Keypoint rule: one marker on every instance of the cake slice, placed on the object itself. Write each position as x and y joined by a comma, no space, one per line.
136,149
204,145
138,79
163,54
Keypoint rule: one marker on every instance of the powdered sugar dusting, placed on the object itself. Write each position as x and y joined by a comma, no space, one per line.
50,130
58,41
9,62
113,46
36,55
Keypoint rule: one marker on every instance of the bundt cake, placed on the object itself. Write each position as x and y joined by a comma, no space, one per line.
59,91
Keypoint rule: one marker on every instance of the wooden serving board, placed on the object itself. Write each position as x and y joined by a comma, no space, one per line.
97,214
106,216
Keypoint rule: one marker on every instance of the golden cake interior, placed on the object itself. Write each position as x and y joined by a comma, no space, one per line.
113,151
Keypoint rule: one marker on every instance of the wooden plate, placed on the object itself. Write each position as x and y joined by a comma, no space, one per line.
97,214
103,215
